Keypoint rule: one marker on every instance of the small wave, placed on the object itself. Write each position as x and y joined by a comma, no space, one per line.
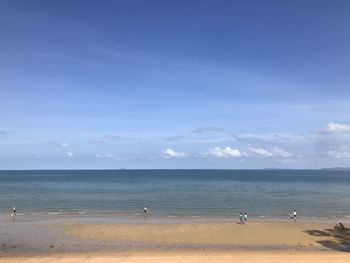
53,213
137,214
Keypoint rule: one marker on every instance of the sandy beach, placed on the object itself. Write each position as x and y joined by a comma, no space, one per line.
186,242
186,257
257,235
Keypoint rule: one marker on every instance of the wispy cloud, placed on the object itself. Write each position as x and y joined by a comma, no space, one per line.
120,158
170,153
226,152
279,152
208,129
108,156
106,137
69,154
120,55
64,144
270,137
273,152
260,151
150,59
220,135
201,140
175,138
339,154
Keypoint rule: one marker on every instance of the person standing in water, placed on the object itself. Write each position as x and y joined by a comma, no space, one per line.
295,215
241,218
13,214
14,211
145,210
245,217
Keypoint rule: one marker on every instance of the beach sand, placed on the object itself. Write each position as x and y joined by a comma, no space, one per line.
185,257
196,242
253,235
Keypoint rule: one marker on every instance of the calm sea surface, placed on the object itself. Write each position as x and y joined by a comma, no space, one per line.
182,193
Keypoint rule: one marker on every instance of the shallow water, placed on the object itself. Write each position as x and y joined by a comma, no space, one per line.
314,194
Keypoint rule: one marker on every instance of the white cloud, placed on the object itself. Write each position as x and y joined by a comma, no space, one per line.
259,137
170,153
280,152
69,154
337,128
339,154
208,129
64,145
106,137
274,152
119,158
226,152
260,151
175,138
109,155
209,140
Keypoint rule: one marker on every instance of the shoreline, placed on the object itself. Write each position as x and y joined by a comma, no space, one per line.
136,218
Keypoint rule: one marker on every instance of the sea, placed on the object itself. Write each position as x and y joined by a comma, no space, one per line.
211,194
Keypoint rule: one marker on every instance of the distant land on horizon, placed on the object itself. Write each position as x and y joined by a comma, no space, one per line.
337,168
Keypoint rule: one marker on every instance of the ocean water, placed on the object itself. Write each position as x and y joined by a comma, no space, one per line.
178,193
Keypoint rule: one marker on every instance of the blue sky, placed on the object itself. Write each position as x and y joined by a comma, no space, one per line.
174,84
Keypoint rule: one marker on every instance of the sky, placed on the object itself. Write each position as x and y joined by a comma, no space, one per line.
174,84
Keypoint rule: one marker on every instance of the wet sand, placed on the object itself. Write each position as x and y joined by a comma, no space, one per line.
204,242
253,235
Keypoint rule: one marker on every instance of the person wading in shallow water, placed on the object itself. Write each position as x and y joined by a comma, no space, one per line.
145,210
241,218
13,214
295,215
14,211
